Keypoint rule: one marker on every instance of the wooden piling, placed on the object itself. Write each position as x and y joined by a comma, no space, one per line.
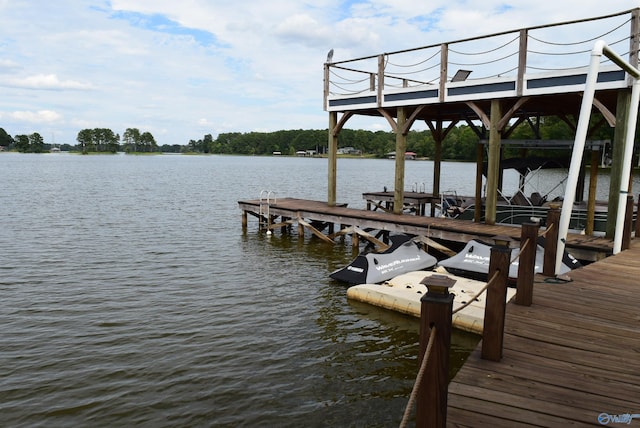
527,262
436,311
494,311
551,241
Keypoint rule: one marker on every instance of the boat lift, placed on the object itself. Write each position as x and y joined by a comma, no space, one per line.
600,48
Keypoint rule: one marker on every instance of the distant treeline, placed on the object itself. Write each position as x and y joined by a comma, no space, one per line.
459,144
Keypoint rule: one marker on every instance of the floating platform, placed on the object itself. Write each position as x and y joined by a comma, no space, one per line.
403,294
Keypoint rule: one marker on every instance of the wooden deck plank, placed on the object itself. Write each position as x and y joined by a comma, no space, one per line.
470,419
527,409
573,354
576,395
560,318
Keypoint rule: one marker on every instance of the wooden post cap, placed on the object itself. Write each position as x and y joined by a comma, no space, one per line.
502,241
438,285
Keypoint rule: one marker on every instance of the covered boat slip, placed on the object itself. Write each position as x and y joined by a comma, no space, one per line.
527,198
495,84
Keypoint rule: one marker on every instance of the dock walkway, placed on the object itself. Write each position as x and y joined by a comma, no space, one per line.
583,247
570,359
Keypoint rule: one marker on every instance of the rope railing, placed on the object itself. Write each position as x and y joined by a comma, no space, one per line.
416,385
490,282
398,73
347,80
548,229
495,275
437,53
493,61
542,55
591,40
478,294
487,51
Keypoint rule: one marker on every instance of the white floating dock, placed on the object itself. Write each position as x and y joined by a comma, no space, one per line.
403,294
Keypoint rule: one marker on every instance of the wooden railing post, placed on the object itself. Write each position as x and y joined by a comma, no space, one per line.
551,241
628,223
494,311
436,311
527,263
380,88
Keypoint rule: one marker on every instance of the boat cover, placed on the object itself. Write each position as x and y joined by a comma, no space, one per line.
473,261
404,255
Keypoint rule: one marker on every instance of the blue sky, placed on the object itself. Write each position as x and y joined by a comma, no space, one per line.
181,70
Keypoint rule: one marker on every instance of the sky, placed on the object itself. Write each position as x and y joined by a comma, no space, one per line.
184,69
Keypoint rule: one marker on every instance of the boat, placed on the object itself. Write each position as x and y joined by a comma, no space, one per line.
402,256
519,207
403,293
473,261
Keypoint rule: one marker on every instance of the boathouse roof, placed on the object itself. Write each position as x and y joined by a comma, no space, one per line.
535,71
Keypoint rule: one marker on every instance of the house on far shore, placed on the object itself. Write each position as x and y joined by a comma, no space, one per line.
349,151
277,153
305,153
407,155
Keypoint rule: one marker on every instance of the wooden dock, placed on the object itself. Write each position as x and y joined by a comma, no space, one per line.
583,247
570,359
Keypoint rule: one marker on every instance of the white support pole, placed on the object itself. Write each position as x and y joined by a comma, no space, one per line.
628,142
598,50
578,150
626,165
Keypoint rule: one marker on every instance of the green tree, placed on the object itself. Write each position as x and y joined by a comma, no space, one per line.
106,140
148,142
131,139
22,143
207,144
36,143
98,139
85,140
6,140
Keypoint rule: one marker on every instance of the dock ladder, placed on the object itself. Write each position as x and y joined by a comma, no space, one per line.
267,197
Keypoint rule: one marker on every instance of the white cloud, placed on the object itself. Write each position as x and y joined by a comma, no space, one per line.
7,66
41,116
48,81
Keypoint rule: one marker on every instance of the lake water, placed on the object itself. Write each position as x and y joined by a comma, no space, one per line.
131,296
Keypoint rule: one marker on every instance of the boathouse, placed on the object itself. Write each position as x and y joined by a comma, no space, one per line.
494,84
